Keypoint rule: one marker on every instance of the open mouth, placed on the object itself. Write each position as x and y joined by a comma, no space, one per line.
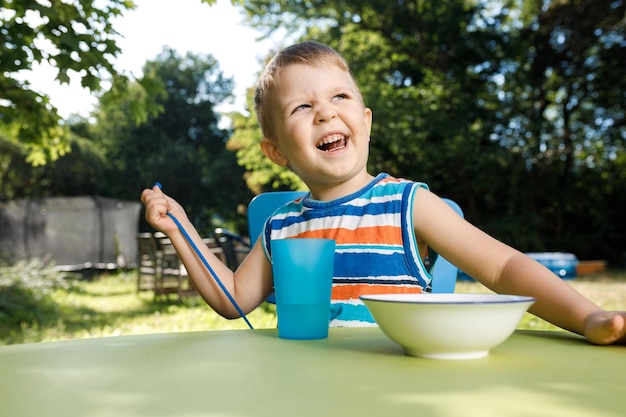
333,143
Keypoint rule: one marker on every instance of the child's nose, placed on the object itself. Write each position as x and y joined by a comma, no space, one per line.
325,114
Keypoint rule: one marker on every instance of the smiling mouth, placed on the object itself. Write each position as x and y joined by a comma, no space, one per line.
332,143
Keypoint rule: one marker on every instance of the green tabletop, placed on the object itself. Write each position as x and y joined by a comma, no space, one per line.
354,372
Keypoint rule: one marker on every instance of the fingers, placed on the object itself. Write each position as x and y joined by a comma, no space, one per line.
614,330
607,328
156,204
151,192
618,324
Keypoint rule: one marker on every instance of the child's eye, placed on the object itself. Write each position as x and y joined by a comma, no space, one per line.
301,107
339,97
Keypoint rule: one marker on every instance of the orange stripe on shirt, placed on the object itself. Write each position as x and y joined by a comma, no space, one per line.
390,180
353,291
390,235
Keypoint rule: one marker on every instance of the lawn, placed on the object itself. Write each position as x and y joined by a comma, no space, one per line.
109,305
608,290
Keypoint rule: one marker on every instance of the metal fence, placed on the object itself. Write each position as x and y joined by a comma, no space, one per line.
73,232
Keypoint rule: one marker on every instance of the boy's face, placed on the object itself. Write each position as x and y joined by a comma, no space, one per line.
321,128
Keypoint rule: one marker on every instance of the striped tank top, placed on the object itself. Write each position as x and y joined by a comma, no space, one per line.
376,249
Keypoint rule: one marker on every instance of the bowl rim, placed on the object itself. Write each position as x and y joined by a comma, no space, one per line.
448,298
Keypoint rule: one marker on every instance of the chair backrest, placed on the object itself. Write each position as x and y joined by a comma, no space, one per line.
146,250
263,205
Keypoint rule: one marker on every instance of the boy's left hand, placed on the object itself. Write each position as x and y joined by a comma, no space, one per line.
606,327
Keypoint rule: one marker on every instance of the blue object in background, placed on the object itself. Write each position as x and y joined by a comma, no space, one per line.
562,264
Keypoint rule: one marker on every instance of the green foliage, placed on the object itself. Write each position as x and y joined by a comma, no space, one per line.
182,147
514,109
78,172
109,305
75,37
26,296
261,174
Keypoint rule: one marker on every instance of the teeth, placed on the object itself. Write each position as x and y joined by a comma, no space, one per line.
330,139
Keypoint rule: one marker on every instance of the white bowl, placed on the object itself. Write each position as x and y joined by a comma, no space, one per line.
447,326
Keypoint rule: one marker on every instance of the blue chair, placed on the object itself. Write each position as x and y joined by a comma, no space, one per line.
443,272
261,208
263,205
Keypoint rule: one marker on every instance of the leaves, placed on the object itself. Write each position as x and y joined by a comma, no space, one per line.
74,36
514,109
182,146
261,174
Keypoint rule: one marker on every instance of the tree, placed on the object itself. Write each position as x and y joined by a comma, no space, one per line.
513,108
411,62
261,174
183,147
562,111
73,36
78,172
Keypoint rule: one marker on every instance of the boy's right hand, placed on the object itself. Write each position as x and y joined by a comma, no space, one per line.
157,204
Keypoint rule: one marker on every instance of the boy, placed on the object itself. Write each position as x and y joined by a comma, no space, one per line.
314,121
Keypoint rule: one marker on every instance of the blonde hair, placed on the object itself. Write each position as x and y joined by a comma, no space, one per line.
307,53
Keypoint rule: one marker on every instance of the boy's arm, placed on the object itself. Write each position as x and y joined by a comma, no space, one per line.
249,285
508,271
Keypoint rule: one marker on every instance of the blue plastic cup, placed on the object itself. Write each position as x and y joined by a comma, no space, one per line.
303,276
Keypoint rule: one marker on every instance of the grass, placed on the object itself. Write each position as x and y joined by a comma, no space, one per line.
110,306
608,290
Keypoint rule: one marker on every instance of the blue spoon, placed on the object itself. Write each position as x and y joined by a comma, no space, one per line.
206,264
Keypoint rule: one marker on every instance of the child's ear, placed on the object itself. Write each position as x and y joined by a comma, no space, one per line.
367,113
270,149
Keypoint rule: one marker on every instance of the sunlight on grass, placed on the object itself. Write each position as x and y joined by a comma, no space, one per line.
110,306
608,290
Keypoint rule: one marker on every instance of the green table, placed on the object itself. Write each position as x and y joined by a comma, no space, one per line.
354,372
